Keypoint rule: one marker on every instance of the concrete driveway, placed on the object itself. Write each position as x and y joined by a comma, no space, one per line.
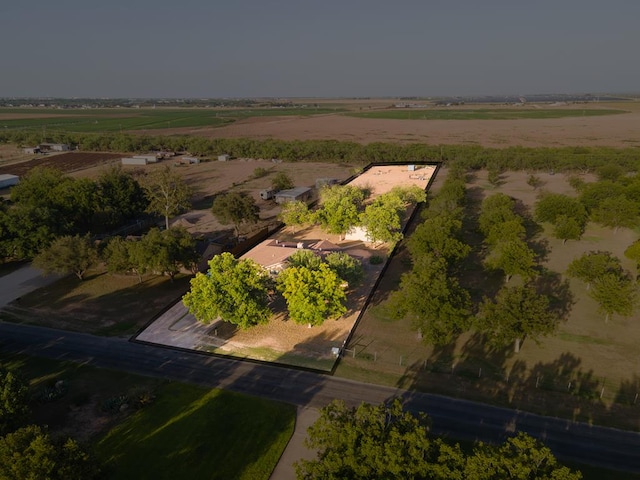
22,281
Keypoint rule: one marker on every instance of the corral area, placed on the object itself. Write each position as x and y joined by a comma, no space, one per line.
588,370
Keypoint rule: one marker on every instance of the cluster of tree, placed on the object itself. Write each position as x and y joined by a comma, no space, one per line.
430,294
29,451
567,215
608,283
384,441
163,252
504,234
47,204
343,207
612,201
240,291
578,159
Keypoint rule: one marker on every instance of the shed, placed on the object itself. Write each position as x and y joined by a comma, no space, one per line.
224,158
134,161
55,147
189,160
7,180
150,158
31,150
411,168
299,193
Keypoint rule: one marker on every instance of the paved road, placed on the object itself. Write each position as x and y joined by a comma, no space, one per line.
606,447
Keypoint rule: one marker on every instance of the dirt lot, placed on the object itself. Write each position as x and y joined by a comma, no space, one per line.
613,130
66,162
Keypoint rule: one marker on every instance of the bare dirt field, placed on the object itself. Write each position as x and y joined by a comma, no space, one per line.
66,162
621,130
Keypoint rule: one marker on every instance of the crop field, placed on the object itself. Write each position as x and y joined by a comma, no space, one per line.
123,120
484,114
65,162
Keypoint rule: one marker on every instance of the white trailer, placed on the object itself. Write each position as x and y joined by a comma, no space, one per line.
134,161
7,180
151,158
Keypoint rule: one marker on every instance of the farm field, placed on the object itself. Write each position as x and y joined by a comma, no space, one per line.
588,371
182,430
65,162
484,113
125,120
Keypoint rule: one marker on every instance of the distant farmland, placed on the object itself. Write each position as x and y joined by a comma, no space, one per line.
117,120
484,114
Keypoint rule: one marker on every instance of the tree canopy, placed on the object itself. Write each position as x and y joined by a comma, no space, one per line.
30,453
235,208
68,255
281,181
236,291
384,441
167,193
513,257
313,295
295,214
515,313
14,398
339,208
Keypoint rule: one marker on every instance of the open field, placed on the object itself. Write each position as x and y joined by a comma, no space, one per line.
621,130
484,113
588,371
65,162
122,120
184,431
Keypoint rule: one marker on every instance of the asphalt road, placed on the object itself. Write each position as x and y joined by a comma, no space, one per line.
579,442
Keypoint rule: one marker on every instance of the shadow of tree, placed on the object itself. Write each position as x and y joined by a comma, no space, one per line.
558,290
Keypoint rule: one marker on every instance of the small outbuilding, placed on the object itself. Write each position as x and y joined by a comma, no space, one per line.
301,194
134,161
31,150
7,180
224,158
150,158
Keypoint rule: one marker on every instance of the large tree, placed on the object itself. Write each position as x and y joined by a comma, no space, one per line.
294,214
433,300
30,453
14,398
339,208
167,193
68,255
553,205
120,197
376,441
616,212
615,293
437,236
235,208
236,291
382,220
346,267
167,251
513,257
313,295
593,265
516,313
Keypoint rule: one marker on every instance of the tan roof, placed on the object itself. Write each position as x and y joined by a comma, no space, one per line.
269,254
324,245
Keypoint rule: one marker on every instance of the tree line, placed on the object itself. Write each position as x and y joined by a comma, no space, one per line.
579,159
385,441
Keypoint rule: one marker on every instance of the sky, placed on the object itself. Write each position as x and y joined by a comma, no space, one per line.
328,48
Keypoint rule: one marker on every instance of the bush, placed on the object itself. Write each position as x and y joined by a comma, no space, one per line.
376,260
260,172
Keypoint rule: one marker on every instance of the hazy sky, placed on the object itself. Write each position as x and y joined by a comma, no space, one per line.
296,48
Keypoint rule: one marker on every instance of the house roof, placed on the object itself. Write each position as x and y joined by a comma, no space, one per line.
269,253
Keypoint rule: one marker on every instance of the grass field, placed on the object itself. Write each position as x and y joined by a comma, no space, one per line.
102,304
191,432
484,114
588,371
185,432
120,120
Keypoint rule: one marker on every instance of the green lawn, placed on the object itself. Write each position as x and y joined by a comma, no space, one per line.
483,114
118,120
191,432
186,432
